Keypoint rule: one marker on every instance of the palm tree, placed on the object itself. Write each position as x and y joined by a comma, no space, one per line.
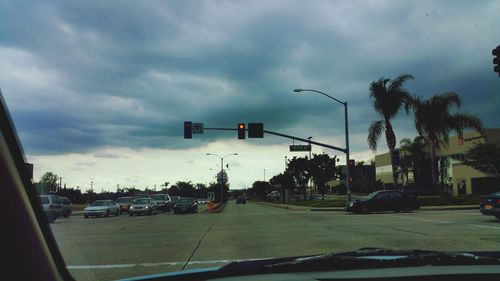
388,98
434,122
413,154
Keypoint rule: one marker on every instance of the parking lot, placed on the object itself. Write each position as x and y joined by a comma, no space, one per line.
123,246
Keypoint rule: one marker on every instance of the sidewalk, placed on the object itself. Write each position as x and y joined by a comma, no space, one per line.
341,209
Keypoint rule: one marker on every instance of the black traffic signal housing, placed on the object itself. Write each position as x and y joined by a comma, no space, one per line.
188,130
255,130
496,59
241,131
350,167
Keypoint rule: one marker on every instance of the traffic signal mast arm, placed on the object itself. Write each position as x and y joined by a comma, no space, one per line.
285,136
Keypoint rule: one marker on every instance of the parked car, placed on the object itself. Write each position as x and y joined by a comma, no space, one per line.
162,201
274,195
490,205
142,195
52,206
384,200
100,208
141,206
186,205
202,201
124,203
241,200
67,206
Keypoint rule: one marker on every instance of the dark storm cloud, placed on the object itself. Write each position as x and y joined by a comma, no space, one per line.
87,74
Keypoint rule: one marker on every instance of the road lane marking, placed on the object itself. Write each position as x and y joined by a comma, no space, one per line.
448,222
149,264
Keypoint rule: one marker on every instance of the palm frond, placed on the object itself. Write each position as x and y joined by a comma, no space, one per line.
374,132
397,83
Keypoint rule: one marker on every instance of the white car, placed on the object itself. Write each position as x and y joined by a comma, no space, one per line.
274,195
101,208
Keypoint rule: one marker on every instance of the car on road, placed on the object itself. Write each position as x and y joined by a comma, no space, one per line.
384,200
142,206
185,205
52,206
67,206
490,205
241,200
124,203
162,201
100,208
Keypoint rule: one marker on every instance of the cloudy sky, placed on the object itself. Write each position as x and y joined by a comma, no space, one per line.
99,90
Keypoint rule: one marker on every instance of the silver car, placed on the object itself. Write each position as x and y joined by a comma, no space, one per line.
52,206
142,206
100,208
67,207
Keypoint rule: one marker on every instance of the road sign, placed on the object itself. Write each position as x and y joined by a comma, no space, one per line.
255,130
197,128
222,177
300,147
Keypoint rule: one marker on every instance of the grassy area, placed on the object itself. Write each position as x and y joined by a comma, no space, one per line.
424,201
315,203
456,200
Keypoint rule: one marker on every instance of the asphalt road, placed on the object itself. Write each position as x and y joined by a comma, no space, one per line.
123,246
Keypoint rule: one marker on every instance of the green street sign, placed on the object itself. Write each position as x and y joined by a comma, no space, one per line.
300,147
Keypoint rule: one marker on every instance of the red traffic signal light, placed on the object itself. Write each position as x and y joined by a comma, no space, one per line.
241,131
188,130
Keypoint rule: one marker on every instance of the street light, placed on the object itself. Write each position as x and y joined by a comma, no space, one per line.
222,167
346,134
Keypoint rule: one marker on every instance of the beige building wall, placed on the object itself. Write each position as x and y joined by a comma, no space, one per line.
460,174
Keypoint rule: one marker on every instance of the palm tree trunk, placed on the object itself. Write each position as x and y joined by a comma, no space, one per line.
391,143
433,166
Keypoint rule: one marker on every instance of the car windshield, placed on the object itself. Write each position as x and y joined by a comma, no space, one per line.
284,118
124,200
44,200
141,201
158,197
100,203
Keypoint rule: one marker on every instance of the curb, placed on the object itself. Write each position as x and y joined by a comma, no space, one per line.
340,209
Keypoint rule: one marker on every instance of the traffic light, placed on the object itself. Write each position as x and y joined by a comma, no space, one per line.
255,130
241,131
350,167
496,59
188,130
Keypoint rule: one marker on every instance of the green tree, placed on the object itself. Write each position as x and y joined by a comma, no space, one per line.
298,168
434,122
388,98
186,189
261,188
322,169
50,180
412,156
484,157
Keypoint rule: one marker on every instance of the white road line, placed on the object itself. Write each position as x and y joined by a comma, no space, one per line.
448,222
174,263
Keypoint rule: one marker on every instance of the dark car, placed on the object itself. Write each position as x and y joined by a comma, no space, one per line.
124,203
185,205
241,200
384,200
490,205
163,202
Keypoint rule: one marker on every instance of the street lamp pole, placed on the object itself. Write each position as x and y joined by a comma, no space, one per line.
346,135
222,169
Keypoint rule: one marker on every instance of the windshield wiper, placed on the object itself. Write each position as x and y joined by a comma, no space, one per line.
360,259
